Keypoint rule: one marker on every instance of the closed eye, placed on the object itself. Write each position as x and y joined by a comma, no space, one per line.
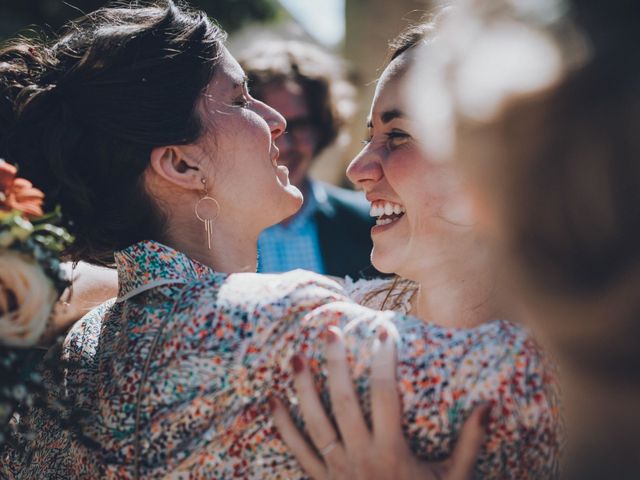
243,99
397,138
241,102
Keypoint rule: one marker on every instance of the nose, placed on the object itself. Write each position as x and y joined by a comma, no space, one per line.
277,123
365,168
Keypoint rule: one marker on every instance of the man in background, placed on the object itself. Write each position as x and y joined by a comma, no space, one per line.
331,232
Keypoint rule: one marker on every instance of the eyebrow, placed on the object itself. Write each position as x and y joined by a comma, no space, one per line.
239,83
387,116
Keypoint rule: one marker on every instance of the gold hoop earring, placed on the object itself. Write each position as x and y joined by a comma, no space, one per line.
207,219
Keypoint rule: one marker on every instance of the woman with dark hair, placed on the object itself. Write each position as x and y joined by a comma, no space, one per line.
137,121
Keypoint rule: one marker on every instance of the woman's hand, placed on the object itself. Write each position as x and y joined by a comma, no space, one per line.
358,453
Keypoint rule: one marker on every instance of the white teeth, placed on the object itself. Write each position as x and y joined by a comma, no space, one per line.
381,207
383,221
376,211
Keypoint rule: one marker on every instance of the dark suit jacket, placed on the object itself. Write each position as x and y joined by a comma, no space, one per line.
344,227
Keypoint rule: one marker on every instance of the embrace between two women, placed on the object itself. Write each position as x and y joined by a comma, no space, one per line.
128,120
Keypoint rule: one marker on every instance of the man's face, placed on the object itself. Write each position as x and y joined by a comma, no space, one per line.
298,144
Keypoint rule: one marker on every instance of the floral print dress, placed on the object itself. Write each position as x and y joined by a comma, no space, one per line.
215,346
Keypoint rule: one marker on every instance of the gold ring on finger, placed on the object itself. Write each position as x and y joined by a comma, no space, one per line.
328,448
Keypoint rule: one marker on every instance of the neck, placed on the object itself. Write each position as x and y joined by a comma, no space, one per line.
457,291
229,253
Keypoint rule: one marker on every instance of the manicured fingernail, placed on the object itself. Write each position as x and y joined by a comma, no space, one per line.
485,417
272,403
297,363
383,335
330,335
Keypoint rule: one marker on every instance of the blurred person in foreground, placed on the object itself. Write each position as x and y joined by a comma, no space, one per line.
330,233
549,142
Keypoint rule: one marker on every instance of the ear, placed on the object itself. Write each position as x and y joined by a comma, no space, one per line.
172,165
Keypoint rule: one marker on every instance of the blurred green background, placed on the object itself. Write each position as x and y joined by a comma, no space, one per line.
231,14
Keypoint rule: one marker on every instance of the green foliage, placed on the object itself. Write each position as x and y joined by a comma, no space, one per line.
15,15
233,14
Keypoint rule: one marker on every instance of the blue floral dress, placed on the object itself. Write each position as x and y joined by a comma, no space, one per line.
214,346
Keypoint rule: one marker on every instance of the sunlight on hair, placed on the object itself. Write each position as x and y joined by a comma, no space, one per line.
471,70
509,60
544,11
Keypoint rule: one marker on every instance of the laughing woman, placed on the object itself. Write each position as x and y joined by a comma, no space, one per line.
446,277
138,122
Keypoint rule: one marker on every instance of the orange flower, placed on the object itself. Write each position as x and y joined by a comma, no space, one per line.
18,193
7,174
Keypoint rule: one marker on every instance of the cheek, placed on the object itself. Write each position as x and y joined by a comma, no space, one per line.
245,141
410,176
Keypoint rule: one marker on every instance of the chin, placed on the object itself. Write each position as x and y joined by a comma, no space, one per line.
294,199
383,261
290,202
296,194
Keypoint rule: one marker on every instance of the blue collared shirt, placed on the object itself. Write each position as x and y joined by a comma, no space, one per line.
296,245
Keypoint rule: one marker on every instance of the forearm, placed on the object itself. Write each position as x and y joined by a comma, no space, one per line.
443,376
91,286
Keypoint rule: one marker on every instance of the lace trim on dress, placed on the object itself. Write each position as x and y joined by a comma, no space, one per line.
382,293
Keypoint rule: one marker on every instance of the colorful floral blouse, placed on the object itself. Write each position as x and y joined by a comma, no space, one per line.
223,345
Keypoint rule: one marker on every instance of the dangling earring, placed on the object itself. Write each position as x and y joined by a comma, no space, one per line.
207,219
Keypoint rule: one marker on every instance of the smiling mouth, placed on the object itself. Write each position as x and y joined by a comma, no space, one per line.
386,212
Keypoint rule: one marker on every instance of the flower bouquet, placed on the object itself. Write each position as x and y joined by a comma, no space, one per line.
31,283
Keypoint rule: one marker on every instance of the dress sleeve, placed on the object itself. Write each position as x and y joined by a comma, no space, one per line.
233,351
443,374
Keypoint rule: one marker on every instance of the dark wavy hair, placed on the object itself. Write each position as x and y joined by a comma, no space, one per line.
80,114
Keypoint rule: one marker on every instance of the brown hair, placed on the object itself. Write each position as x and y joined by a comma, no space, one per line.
321,75
81,113
394,293
414,35
408,39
